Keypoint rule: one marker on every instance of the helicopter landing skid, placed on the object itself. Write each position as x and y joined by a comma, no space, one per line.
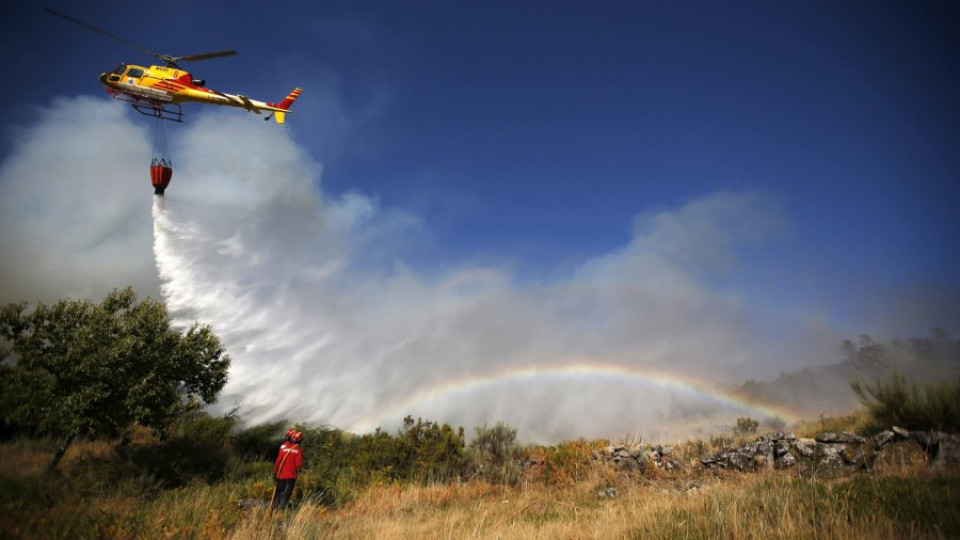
149,107
159,111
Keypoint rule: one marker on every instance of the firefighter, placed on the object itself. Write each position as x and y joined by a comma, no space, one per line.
285,470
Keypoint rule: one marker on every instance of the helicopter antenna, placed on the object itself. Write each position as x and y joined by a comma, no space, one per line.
170,61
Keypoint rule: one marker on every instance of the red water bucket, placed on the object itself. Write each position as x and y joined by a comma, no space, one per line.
160,174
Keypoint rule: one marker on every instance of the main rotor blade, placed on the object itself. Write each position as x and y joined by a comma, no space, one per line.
205,56
104,32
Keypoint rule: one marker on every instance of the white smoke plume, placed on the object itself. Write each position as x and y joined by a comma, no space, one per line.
73,219
328,320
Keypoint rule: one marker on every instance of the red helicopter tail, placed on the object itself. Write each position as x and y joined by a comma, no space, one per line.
291,97
285,105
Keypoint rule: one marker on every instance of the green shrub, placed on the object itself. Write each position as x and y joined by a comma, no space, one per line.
911,406
746,426
196,448
430,451
497,453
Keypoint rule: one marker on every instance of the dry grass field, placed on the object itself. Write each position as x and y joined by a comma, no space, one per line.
92,496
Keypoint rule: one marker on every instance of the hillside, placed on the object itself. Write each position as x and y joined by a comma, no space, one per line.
826,389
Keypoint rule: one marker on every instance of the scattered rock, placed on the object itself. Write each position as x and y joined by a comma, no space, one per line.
785,462
608,493
881,439
805,447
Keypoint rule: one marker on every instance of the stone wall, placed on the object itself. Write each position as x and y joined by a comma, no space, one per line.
782,450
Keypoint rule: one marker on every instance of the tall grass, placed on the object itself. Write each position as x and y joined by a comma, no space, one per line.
575,497
755,506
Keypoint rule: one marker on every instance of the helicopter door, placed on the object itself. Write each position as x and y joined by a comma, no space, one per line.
133,75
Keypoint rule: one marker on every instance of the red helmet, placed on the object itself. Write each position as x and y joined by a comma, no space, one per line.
294,435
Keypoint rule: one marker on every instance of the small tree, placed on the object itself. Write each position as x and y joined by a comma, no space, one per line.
79,368
497,452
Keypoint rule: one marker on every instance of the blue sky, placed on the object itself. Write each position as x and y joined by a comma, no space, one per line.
792,165
798,159
535,132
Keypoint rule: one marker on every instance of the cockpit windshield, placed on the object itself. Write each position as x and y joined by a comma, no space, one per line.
120,69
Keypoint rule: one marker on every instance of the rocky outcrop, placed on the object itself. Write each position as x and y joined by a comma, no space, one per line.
774,450
834,451
638,457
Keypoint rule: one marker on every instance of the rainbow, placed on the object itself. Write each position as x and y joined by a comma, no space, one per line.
577,371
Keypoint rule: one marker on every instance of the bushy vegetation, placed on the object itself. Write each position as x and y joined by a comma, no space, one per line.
912,406
150,463
421,451
102,490
198,447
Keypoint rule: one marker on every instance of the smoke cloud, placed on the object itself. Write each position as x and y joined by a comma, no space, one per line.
73,218
326,317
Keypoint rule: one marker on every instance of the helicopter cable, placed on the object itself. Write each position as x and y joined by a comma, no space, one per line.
160,143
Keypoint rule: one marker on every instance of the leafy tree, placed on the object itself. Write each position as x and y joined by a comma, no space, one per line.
76,368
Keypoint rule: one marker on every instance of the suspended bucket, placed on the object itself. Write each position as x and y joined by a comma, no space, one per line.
160,174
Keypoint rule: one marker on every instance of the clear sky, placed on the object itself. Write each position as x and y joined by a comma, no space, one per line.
538,138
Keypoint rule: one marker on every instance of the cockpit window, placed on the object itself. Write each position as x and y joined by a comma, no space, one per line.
120,69
136,73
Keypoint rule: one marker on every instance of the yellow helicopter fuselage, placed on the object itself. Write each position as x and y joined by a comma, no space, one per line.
161,85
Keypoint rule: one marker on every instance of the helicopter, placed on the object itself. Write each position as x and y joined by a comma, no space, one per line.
158,91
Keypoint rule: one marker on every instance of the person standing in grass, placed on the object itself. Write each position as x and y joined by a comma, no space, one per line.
285,469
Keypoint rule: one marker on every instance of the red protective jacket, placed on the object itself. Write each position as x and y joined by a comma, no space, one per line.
289,461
